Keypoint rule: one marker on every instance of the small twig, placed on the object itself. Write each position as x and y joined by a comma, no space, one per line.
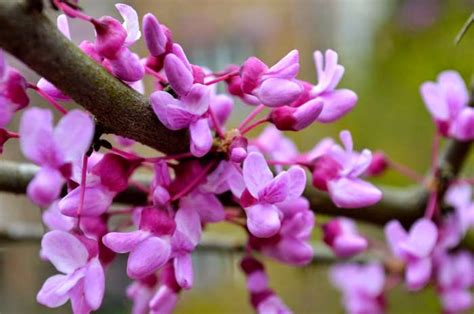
464,29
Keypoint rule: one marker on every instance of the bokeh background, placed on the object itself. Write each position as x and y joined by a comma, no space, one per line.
388,47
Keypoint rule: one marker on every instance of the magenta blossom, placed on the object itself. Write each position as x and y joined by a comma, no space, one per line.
361,286
414,248
343,238
55,150
82,280
460,197
149,246
447,101
263,299
455,276
264,192
13,95
187,112
275,86
141,292
291,245
338,170
165,299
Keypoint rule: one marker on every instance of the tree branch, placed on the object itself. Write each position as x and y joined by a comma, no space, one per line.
32,38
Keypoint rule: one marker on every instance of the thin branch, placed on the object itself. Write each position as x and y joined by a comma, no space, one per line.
464,29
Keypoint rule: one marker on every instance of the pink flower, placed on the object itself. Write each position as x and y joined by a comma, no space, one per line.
149,246
54,149
455,276
289,118
460,197
141,292
343,238
291,245
275,86
157,37
263,194
336,102
447,101
13,95
187,112
165,299
362,287
337,172
82,280
414,248
263,299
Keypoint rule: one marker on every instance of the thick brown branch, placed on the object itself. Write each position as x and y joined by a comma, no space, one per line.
32,38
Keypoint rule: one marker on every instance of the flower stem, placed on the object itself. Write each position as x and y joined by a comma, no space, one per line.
405,170
217,127
253,125
48,98
222,78
197,179
250,117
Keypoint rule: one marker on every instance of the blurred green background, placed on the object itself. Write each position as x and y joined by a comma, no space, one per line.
388,48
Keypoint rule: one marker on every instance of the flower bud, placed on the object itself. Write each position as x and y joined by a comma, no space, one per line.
378,165
110,36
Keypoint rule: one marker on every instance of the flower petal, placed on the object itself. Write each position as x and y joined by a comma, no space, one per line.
353,193
336,104
147,257
97,200
64,251
276,92
256,173
179,75
395,234
418,274
73,134
36,136
130,24
94,284
52,293
183,268
45,187
201,137
263,220
123,242
297,182
422,237
276,190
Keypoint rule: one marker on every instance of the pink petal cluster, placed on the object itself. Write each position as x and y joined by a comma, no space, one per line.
337,171
263,299
54,149
447,101
415,248
342,237
362,287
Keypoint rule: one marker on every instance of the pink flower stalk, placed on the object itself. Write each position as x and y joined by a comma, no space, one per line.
361,286
13,95
165,299
460,197
276,86
455,277
264,192
263,299
187,112
141,292
149,246
415,248
54,149
338,171
82,280
343,238
291,245
447,101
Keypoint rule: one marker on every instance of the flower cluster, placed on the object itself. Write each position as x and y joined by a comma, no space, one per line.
256,184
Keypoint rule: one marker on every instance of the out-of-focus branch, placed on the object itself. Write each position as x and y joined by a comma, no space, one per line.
29,36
